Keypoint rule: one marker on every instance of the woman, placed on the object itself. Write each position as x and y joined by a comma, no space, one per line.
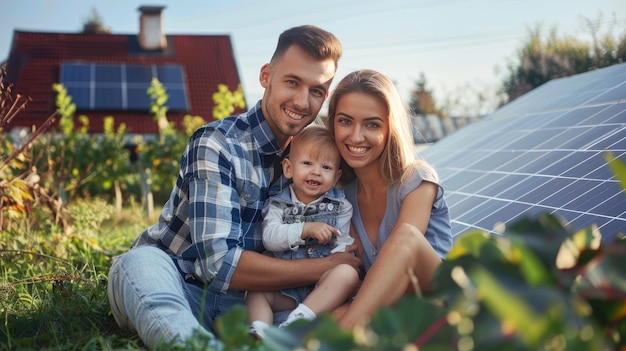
400,215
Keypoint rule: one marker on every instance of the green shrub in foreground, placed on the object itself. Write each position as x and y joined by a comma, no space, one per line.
537,286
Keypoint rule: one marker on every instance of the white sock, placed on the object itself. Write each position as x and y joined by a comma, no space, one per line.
300,312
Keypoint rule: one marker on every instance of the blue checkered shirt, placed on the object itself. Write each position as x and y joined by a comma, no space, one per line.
212,213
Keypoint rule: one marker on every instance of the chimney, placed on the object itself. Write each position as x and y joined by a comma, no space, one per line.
151,36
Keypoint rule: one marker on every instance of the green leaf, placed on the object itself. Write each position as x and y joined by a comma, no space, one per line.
583,241
469,243
605,276
514,312
323,333
412,320
233,329
533,269
543,236
618,167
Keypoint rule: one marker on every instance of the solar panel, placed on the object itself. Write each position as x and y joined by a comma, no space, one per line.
543,152
139,73
95,86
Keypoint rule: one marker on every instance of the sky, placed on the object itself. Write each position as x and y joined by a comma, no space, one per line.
459,46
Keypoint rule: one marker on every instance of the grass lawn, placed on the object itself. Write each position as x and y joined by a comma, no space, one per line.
53,282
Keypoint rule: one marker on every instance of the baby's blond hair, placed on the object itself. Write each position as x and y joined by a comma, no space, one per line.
316,139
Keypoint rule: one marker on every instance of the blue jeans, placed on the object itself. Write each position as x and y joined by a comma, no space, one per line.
149,295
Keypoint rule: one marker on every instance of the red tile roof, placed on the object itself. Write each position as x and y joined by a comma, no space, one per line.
35,58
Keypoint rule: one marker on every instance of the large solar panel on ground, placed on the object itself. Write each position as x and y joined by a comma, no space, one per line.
543,152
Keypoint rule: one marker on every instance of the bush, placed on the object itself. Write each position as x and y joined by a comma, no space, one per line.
538,286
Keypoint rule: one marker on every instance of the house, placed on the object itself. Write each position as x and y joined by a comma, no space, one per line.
108,74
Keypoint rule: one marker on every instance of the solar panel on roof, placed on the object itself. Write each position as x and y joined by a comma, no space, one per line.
140,73
543,152
95,86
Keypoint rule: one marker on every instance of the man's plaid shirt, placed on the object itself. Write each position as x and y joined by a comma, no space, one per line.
213,210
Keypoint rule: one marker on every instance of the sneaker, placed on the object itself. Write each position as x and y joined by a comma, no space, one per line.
257,328
291,319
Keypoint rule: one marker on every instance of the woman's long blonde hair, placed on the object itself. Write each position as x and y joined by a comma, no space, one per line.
399,159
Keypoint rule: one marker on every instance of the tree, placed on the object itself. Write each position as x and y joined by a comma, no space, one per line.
541,59
607,50
94,23
422,102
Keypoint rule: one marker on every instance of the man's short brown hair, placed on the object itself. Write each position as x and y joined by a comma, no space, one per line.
315,41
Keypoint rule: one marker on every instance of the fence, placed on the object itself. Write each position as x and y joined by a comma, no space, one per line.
428,129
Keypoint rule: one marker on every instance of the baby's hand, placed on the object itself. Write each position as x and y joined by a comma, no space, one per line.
319,231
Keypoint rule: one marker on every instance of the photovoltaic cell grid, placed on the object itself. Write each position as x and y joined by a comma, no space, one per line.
95,86
543,152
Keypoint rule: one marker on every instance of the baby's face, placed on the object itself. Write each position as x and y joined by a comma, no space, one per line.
313,173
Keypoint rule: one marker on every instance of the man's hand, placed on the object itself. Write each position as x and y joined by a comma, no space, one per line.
256,271
319,231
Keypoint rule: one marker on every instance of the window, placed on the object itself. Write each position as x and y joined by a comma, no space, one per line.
95,86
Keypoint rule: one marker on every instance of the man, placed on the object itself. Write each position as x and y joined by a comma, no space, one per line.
205,251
